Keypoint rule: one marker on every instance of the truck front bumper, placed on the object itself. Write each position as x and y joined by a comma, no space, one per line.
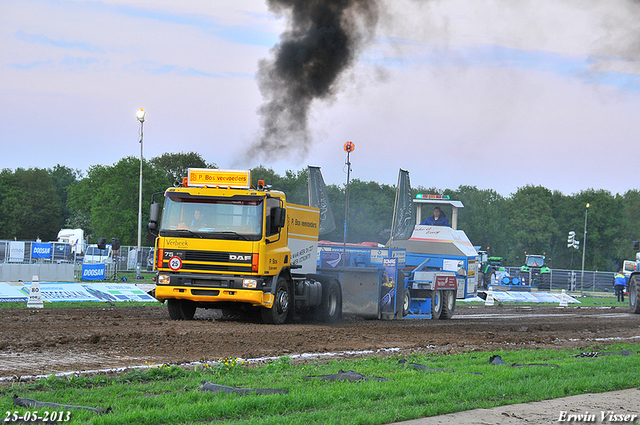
213,289
213,295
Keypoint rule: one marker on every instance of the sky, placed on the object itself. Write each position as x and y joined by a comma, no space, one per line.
495,94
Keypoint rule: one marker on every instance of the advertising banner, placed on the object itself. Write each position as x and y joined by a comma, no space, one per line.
40,250
68,291
389,284
201,177
16,251
117,292
93,271
13,292
334,259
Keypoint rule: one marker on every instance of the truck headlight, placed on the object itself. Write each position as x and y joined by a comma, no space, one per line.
249,283
164,279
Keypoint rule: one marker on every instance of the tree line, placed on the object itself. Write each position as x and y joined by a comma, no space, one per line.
37,203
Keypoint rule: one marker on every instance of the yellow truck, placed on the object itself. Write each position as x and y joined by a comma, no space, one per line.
224,244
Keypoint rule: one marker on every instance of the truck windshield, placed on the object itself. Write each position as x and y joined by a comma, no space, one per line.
215,218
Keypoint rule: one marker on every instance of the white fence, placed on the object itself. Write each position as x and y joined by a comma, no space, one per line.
27,252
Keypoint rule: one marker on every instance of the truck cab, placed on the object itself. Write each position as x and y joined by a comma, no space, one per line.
94,254
223,244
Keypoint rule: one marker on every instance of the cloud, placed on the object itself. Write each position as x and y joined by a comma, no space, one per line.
44,40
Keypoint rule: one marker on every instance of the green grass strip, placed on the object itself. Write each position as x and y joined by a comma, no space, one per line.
171,395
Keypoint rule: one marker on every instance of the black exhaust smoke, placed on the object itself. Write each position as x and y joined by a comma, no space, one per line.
322,40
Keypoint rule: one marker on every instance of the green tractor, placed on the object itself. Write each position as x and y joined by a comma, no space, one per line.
489,266
535,272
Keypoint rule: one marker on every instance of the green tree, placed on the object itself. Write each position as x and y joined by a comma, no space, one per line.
63,177
109,196
176,165
370,211
630,230
567,214
531,224
29,206
293,183
604,225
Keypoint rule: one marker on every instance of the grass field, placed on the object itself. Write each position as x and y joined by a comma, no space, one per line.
165,394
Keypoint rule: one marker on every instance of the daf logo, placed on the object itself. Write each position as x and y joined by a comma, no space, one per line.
239,257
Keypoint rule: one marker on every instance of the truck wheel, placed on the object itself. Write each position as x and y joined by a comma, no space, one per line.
279,311
436,304
181,309
448,304
634,302
331,307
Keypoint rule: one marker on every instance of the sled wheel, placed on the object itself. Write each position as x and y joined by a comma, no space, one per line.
436,304
406,302
279,311
448,304
181,309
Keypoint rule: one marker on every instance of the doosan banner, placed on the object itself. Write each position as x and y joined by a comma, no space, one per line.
40,250
93,271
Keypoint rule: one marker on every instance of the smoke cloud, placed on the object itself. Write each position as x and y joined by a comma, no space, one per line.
322,40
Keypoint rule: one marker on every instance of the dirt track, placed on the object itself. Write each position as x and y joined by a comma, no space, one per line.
34,342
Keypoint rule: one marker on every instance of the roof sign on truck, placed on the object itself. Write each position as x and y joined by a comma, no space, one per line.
200,177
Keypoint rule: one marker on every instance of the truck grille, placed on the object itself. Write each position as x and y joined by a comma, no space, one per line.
205,261
209,256
215,268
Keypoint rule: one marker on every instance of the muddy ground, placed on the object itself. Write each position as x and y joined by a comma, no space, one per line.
36,342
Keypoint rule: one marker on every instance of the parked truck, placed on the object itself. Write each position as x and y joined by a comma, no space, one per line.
223,244
75,238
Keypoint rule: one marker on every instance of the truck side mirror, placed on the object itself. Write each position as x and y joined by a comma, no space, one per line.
636,245
154,216
278,217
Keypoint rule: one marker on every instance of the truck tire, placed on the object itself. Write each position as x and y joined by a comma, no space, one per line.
331,307
181,309
277,314
634,294
448,304
436,304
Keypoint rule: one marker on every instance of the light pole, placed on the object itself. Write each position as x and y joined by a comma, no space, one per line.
140,115
348,148
584,246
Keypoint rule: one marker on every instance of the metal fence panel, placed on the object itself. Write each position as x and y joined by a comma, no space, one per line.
574,280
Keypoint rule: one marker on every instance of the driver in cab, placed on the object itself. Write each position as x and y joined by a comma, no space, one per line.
196,222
